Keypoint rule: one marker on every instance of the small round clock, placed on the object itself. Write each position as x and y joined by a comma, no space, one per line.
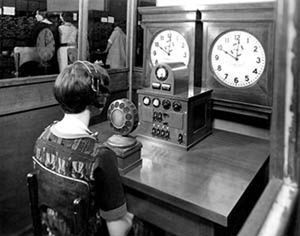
45,44
237,59
169,46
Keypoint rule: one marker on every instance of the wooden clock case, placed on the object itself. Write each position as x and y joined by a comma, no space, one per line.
257,19
187,118
187,23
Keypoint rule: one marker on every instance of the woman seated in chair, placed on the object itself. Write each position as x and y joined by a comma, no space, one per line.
81,89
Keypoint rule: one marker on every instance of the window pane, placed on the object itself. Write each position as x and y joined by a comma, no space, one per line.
19,31
29,47
107,35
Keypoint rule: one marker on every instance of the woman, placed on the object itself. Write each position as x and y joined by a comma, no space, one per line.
80,89
116,48
68,35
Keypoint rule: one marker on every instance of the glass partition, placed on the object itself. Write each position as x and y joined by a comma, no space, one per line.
40,37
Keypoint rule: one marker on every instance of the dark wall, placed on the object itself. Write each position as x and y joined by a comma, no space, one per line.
17,135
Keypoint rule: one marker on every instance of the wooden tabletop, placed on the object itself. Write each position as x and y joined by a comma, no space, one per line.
208,180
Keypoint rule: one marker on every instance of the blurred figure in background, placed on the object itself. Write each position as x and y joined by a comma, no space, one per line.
116,48
68,36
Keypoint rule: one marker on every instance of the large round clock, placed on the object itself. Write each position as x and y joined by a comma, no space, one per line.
237,59
169,46
45,44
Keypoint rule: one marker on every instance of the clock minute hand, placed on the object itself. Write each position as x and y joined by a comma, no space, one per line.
235,58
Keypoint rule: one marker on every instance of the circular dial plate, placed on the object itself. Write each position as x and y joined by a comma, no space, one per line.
45,44
169,46
161,73
237,59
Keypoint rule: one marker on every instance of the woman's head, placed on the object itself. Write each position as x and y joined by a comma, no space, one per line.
80,85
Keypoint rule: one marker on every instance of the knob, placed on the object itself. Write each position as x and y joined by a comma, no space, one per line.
177,106
146,101
153,131
154,117
157,132
166,104
159,117
167,134
162,133
156,102
180,138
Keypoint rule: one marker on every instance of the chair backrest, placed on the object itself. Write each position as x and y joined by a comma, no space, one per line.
67,196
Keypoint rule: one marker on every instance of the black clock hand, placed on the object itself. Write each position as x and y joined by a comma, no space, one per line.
235,58
237,50
46,39
168,53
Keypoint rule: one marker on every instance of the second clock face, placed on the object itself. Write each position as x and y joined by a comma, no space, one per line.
169,46
45,44
237,59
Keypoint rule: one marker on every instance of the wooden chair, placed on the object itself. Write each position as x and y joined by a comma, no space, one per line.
68,196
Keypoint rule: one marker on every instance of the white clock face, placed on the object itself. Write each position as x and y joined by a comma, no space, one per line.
169,46
237,59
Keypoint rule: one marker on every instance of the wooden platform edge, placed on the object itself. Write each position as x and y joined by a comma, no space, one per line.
259,213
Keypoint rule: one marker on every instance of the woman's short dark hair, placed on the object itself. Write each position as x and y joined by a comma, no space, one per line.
75,88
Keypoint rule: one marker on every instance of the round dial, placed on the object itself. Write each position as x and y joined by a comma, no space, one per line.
146,101
161,73
123,116
237,59
156,102
169,46
166,104
45,44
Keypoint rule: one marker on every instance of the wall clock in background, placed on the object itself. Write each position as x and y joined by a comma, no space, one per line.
46,44
238,49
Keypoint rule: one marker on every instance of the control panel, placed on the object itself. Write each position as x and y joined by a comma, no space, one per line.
171,78
178,120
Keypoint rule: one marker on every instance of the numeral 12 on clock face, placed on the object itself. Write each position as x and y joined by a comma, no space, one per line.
237,59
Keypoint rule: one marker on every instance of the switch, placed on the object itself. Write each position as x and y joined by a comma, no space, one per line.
180,138
166,104
157,132
167,134
154,117
177,106
153,131
159,117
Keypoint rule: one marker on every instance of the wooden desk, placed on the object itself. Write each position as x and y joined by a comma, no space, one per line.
208,190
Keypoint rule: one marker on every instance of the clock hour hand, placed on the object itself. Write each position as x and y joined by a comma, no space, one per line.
235,58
